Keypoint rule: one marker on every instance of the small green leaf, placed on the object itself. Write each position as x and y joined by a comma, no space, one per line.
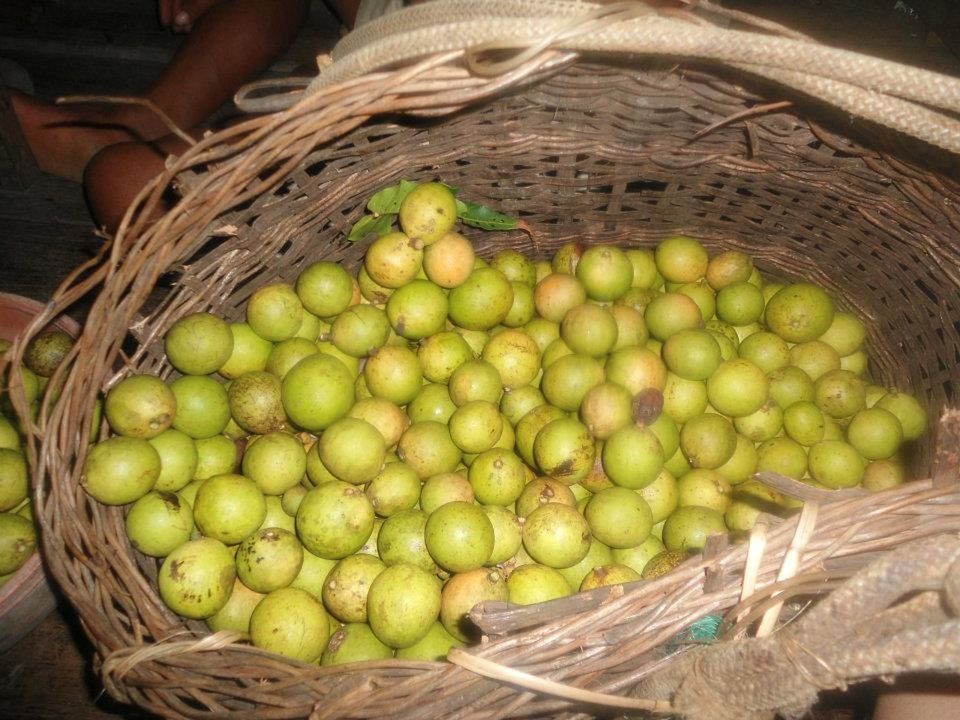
481,216
387,201
368,224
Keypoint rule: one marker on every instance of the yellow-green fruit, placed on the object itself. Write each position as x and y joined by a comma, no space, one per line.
46,351
706,488
250,352
354,642
459,536
556,535
14,479
353,450
290,622
120,470
215,456
462,592
140,406
681,259
256,402
334,520
428,212
535,583
836,464
18,540
348,582
196,579
605,271
269,559
619,517
799,312
229,508
689,527
913,418
403,604
274,312
737,388
432,647
606,575
276,462
178,459
482,301
203,406
638,556
875,433
199,343
158,523
317,391
325,288
235,614
662,563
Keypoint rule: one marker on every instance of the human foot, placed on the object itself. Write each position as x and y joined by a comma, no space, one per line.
63,138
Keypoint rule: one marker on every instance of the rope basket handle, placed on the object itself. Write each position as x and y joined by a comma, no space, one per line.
914,101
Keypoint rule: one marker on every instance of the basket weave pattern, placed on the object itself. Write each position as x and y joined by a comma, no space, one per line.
597,153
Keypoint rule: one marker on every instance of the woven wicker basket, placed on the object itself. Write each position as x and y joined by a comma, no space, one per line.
609,148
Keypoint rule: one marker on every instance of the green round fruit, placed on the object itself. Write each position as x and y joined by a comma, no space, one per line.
605,271
347,584
465,590
692,354
203,405
256,403
353,450
681,259
15,479
607,575
229,508
119,470
482,301
360,329
199,343
325,288
274,312
913,418
428,212
688,528
403,604
269,559
158,523
536,583
619,517
276,462
290,622
556,535
178,459
459,536
317,391
250,352
632,457
140,406
354,642
836,464
737,388
196,579
18,540
708,440
417,310
334,520
426,446
799,312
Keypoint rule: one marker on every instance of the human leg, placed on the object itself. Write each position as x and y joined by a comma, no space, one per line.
227,45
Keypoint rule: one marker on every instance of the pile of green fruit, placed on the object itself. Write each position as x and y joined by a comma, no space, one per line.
18,536
347,472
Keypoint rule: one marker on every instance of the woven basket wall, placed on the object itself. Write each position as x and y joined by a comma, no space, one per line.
601,152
